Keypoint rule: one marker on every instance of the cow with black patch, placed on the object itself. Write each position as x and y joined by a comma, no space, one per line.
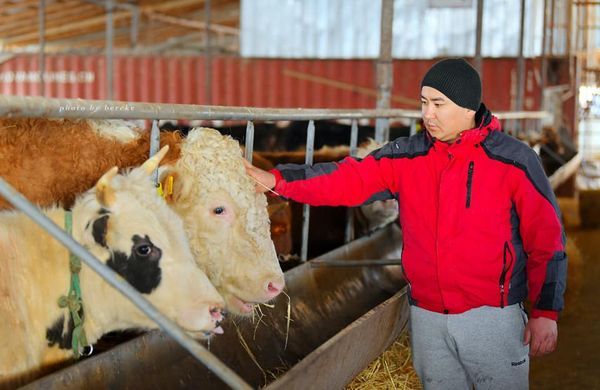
124,223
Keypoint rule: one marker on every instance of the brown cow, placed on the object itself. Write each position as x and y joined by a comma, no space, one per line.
51,161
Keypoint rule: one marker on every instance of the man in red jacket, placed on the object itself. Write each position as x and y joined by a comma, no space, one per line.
481,234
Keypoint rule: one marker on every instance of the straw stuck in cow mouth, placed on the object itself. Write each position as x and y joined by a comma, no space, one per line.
244,306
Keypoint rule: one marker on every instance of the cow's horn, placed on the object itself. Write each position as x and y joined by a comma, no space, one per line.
151,164
105,193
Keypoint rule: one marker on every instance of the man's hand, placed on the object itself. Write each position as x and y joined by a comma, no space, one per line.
541,334
264,181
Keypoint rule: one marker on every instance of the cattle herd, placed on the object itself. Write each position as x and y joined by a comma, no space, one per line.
201,247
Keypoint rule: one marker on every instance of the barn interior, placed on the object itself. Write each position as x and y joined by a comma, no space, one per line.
306,82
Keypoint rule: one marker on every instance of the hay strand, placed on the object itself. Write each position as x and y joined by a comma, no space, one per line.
392,370
248,351
288,319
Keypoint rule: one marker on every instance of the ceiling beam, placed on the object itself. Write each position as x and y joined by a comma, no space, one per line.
67,15
195,24
99,22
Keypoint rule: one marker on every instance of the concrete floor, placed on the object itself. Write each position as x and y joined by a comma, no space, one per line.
576,362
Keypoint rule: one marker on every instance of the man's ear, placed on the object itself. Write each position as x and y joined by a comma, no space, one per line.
470,115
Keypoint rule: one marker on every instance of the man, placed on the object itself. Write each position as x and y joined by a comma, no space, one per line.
481,230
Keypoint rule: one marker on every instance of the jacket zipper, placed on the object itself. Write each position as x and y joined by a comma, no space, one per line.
470,182
505,269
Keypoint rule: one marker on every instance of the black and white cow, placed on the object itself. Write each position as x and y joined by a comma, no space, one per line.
123,222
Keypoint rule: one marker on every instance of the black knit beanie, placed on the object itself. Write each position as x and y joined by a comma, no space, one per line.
456,79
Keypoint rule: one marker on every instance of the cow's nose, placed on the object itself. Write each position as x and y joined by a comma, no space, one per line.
274,288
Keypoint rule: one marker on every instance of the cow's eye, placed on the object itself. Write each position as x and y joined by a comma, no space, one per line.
143,250
219,210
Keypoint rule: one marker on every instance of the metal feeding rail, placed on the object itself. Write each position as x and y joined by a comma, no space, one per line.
18,106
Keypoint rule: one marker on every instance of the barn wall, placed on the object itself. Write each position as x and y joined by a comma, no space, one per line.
251,82
351,28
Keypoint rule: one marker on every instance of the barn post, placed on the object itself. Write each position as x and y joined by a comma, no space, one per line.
109,48
385,69
520,69
207,55
42,46
544,66
478,34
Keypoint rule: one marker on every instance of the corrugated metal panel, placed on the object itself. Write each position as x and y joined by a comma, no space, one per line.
250,82
351,29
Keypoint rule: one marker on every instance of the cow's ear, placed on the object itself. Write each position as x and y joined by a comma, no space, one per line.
99,229
171,185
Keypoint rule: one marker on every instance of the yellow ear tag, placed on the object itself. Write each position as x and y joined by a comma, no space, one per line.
169,186
160,191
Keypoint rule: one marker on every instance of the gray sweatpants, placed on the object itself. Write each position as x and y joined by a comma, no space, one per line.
482,347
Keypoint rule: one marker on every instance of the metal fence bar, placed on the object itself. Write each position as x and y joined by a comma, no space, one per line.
349,231
39,107
413,126
198,351
310,148
34,106
354,263
155,145
504,115
249,141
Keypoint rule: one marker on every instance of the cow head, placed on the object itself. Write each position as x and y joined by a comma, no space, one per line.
226,220
124,222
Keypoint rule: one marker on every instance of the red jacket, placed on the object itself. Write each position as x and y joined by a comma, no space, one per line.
480,221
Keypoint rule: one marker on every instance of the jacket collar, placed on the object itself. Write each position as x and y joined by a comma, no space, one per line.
485,124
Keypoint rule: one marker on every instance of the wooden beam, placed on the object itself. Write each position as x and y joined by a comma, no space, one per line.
98,22
195,24
23,24
31,11
157,38
348,87
55,19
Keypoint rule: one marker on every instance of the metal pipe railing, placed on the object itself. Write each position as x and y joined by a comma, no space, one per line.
33,106
349,230
310,148
198,351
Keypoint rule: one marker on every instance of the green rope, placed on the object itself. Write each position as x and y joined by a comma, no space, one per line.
73,300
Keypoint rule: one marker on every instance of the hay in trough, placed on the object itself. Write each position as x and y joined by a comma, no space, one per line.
392,370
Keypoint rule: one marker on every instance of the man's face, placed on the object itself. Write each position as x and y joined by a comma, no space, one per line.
443,119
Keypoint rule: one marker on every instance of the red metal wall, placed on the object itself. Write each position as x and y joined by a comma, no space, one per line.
249,82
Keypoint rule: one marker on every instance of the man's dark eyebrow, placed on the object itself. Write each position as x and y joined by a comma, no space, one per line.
437,99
